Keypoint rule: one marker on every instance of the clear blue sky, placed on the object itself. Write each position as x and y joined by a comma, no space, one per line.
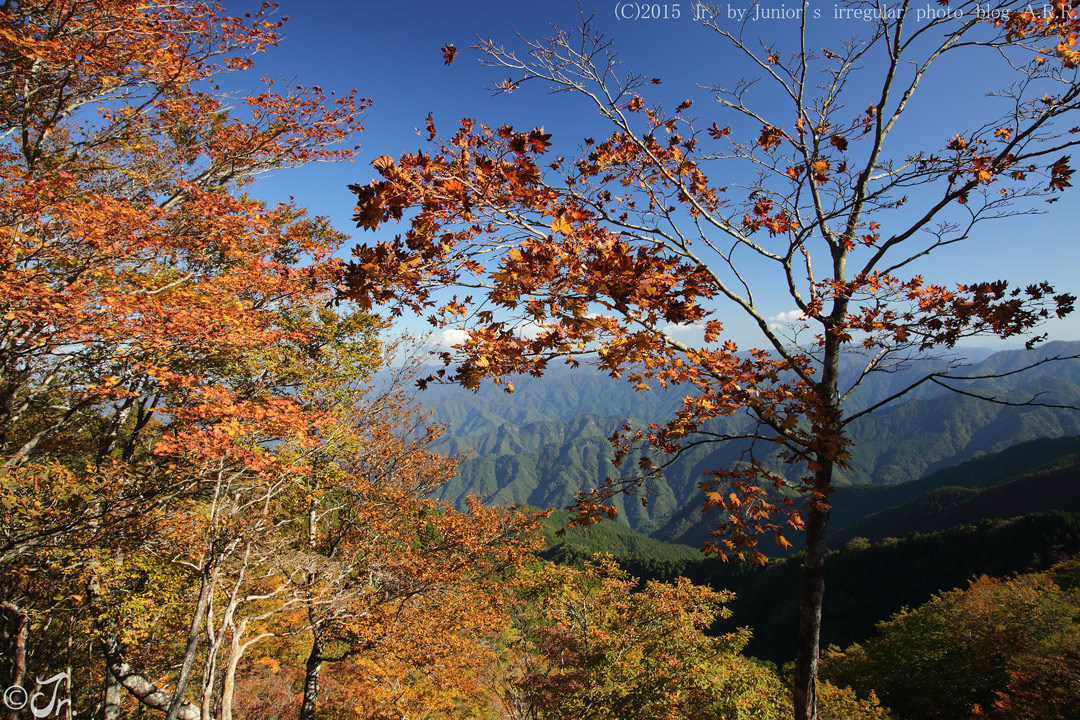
390,52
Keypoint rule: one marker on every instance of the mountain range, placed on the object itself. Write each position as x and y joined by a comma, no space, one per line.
943,487
549,438
892,545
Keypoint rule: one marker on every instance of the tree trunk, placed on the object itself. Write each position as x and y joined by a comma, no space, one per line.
228,684
19,625
145,691
828,435
810,603
209,676
314,661
68,671
172,713
311,679
113,695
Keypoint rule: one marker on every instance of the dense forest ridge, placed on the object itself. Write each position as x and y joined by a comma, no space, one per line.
895,546
549,438
1031,477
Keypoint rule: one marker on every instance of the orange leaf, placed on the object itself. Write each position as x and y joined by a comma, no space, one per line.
561,225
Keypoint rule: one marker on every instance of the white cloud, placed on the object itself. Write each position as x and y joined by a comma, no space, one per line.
529,330
443,339
446,338
783,320
672,328
788,317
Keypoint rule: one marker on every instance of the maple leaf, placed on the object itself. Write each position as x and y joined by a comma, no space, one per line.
718,133
958,144
538,140
1060,173
562,225
449,53
770,137
982,172
868,118
384,164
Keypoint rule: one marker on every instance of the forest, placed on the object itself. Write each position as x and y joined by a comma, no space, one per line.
235,484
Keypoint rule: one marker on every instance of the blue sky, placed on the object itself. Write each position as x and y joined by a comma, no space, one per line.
390,52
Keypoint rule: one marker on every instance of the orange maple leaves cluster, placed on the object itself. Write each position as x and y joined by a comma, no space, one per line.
600,255
1059,23
125,245
186,420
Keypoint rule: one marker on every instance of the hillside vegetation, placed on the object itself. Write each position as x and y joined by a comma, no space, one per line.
549,438
895,546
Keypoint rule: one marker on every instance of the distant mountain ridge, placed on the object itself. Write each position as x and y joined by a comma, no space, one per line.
1038,476
894,545
1034,476
540,444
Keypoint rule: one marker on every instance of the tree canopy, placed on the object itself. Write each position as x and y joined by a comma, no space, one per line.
196,464
540,250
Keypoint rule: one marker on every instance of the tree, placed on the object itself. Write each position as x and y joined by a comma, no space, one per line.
601,251
592,642
177,420
998,648
590,645
136,272
420,588
135,267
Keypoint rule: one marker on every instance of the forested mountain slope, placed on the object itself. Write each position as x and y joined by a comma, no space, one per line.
895,546
550,437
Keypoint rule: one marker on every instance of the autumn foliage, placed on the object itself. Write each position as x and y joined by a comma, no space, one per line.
578,267
1002,649
611,249
593,642
196,469
215,496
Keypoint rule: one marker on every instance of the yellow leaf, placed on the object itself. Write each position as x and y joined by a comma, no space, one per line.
562,225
